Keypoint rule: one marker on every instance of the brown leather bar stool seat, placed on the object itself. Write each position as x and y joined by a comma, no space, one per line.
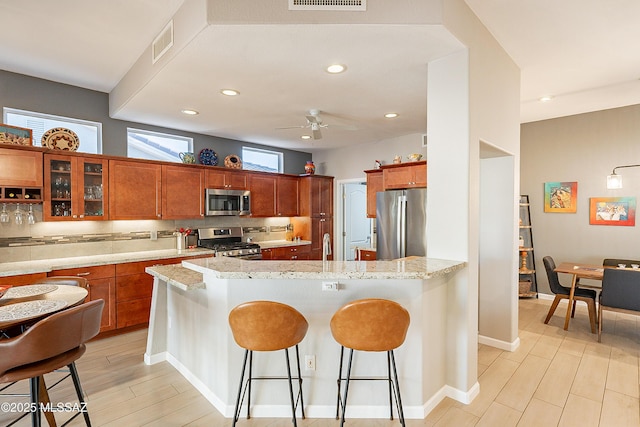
370,325
63,280
56,341
267,326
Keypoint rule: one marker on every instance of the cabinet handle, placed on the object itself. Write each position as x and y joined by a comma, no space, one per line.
83,274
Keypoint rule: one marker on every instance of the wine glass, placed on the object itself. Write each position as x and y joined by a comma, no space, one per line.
4,216
31,219
18,215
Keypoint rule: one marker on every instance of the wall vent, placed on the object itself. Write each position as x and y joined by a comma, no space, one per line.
162,43
340,5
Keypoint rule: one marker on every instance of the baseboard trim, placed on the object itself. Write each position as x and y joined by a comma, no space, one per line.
502,345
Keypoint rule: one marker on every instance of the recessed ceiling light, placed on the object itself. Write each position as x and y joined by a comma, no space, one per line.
229,92
546,98
306,137
391,115
336,68
189,112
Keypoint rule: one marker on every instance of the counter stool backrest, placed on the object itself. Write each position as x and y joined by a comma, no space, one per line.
613,262
267,325
370,325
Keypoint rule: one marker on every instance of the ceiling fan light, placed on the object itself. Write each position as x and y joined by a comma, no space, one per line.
336,68
391,115
229,92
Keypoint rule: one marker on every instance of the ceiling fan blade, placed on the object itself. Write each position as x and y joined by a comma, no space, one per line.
313,119
316,134
293,127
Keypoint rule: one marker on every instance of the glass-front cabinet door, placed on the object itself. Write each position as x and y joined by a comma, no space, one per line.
75,188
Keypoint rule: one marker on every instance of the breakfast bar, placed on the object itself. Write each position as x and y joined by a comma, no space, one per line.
189,329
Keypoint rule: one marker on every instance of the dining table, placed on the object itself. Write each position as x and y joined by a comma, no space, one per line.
579,271
22,306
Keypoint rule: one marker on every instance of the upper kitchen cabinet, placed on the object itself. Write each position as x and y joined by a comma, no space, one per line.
75,188
21,174
182,192
316,196
135,190
374,184
405,175
226,179
273,195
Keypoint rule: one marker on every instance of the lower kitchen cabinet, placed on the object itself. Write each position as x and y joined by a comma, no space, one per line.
101,285
320,226
22,279
297,252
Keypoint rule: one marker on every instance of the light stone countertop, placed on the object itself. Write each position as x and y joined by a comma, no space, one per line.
403,269
268,244
46,265
178,276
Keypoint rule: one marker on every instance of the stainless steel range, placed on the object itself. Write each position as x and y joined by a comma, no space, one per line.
227,241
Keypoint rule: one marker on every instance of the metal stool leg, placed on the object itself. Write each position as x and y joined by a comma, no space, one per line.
346,387
236,412
390,383
300,382
338,400
79,392
34,384
293,406
250,380
397,387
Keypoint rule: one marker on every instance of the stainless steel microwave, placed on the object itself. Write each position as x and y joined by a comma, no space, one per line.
227,202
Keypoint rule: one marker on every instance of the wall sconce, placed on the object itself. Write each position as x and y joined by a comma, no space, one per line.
614,181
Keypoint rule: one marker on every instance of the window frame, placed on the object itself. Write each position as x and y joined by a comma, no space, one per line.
278,154
147,132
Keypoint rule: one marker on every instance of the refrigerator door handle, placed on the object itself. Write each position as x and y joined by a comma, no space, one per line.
402,215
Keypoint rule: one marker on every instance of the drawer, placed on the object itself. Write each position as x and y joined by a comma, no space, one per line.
22,279
135,267
89,273
133,286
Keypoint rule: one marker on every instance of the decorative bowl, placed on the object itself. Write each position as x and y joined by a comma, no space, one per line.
414,157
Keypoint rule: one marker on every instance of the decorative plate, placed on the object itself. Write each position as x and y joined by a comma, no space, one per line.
61,139
29,291
208,157
25,310
233,161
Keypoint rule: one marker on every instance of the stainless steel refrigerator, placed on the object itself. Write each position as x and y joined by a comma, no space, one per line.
401,223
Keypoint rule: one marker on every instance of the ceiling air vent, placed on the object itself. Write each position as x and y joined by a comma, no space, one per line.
162,43
340,5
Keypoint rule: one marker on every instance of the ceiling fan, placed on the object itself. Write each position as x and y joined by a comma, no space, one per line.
314,122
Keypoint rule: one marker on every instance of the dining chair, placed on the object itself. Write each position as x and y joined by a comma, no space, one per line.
587,296
620,292
56,341
613,262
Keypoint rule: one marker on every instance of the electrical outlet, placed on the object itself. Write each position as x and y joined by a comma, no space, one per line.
330,286
310,362
153,235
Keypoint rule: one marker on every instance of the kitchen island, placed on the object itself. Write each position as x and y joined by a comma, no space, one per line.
189,328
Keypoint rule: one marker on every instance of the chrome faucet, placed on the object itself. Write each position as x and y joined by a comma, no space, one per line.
326,246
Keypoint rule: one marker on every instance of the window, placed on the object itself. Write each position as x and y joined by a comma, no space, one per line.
257,159
89,133
144,144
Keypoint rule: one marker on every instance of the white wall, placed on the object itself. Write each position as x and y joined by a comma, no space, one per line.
583,148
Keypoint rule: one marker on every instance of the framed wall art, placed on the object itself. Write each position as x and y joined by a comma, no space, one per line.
612,211
15,135
561,197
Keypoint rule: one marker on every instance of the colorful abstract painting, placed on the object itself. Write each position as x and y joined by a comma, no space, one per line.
561,197
612,211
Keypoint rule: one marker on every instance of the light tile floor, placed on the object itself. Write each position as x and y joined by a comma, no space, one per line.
555,378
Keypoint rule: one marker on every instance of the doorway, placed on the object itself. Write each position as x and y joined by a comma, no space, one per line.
354,226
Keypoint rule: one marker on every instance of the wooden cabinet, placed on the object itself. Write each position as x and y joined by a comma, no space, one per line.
21,279
374,184
287,190
101,285
21,175
229,179
75,188
273,195
405,175
316,196
182,192
135,190
320,226
133,293
297,252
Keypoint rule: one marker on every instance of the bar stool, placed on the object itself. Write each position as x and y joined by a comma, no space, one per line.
267,326
370,325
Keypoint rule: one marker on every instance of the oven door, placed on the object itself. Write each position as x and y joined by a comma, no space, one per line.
225,202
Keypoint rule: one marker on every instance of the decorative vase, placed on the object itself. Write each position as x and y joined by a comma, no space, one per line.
180,241
310,168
